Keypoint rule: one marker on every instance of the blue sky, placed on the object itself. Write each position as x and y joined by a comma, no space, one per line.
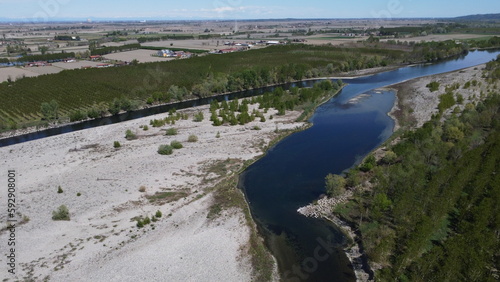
40,10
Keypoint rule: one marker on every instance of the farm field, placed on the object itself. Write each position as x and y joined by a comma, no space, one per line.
143,56
83,88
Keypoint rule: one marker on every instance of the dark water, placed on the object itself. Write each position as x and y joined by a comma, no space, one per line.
292,174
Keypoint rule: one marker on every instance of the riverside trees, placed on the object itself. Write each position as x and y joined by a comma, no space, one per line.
433,211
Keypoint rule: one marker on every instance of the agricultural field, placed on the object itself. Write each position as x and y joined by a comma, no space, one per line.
143,56
83,88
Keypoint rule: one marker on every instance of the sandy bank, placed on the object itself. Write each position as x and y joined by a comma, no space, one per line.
101,241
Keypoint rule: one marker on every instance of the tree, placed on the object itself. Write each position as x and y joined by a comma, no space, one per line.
50,110
334,184
43,49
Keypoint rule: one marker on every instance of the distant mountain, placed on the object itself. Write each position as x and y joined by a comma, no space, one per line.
480,17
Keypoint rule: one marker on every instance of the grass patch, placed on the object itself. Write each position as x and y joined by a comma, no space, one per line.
171,131
192,138
165,150
176,144
167,196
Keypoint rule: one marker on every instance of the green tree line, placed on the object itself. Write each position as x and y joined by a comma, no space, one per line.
433,213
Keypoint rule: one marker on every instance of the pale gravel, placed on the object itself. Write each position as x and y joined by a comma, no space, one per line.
184,247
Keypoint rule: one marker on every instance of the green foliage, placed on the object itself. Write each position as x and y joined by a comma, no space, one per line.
389,157
171,131
139,224
78,194
368,164
113,49
46,57
130,135
433,86
176,144
446,101
116,144
50,111
434,214
334,184
192,138
82,88
59,190
165,150
198,117
77,115
255,127
62,213
158,214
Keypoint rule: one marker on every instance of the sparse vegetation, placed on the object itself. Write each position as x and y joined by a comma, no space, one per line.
129,135
59,190
62,213
198,117
158,214
433,86
165,150
171,131
192,138
116,144
176,144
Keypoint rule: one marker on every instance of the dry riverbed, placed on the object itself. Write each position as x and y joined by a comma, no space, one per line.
102,189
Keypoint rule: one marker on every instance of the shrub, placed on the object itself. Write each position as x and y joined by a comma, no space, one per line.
78,194
198,117
390,157
369,163
217,135
433,86
62,213
256,128
176,144
117,144
446,101
192,138
146,220
171,131
129,135
59,190
145,128
165,150
158,213
139,223
77,116
334,184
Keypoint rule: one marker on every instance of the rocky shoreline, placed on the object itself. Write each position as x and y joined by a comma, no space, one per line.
354,251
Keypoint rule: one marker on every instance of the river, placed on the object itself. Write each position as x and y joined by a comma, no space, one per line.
291,175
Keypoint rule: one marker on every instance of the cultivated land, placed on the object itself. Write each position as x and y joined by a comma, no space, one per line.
101,241
143,56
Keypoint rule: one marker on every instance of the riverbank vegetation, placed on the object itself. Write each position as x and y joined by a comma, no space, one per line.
429,209
93,90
